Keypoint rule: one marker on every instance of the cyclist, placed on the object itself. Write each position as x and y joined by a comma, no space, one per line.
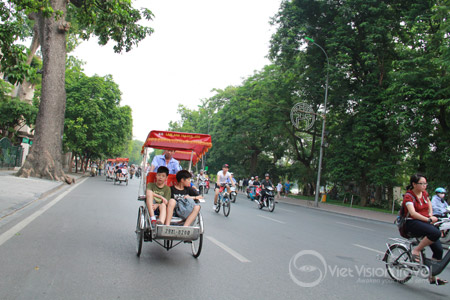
221,180
265,183
421,218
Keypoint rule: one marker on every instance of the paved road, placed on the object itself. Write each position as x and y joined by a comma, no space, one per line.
80,244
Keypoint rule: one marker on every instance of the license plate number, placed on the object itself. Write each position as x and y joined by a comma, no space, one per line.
177,232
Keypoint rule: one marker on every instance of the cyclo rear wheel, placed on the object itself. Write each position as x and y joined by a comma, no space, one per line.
196,245
226,206
140,227
395,256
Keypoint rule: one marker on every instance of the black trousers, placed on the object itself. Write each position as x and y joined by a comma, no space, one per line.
418,229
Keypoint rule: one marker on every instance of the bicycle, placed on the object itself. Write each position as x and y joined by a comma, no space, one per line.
225,198
401,267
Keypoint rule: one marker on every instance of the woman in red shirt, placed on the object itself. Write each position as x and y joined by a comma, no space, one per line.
420,220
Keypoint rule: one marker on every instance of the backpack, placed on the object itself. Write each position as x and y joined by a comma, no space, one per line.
402,216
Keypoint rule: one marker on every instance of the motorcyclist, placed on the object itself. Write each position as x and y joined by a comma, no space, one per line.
201,179
266,182
439,204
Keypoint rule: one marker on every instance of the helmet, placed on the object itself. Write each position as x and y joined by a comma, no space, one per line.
267,175
440,190
253,178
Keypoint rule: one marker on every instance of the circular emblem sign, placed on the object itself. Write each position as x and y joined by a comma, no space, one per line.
302,116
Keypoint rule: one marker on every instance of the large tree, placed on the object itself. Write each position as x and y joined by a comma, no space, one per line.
114,20
96,125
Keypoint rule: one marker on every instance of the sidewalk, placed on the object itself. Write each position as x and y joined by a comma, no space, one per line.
354,212
16,193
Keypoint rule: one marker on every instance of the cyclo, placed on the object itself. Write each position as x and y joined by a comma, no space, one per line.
123,175
110,169
169,236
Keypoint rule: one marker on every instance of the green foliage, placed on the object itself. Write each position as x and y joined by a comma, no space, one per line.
388,108
14,27
95,123
133,152
15,114
115,20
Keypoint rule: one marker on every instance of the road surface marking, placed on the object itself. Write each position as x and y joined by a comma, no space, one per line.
14,230
279,208
367,248
229,250
268,218
355,226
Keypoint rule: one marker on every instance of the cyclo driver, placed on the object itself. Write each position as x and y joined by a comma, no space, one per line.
265,183
222,177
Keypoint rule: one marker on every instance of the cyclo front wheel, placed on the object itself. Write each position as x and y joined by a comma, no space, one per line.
197,244
140,227
396,255
226,206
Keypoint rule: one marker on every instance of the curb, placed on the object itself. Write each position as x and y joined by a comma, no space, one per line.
337,212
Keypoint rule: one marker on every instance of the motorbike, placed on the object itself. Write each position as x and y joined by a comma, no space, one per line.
233,194
268,200
254,192
207,187
138,172
444,226
202,187
93,171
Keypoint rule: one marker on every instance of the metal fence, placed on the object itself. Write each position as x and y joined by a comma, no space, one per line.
10,155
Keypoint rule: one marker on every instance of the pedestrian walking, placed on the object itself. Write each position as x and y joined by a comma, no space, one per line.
287,187
279,188
241,184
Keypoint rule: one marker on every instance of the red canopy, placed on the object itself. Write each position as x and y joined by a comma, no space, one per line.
111,160
186,155
119,159
182,142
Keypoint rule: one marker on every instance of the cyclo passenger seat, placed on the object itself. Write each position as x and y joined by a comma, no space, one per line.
171,180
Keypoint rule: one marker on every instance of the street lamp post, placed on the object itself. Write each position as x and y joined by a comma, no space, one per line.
316,198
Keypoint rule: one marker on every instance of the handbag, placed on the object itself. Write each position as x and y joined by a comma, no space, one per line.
401,219
184,207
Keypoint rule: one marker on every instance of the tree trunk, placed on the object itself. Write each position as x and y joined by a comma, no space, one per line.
45,159
254,161
390,194
363,190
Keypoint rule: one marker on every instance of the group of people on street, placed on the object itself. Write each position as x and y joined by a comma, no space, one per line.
163,201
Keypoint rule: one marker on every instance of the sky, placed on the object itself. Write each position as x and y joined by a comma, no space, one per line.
197,46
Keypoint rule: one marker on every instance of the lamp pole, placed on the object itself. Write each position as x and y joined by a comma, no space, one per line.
316,198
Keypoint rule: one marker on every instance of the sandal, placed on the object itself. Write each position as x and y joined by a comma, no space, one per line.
438,281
